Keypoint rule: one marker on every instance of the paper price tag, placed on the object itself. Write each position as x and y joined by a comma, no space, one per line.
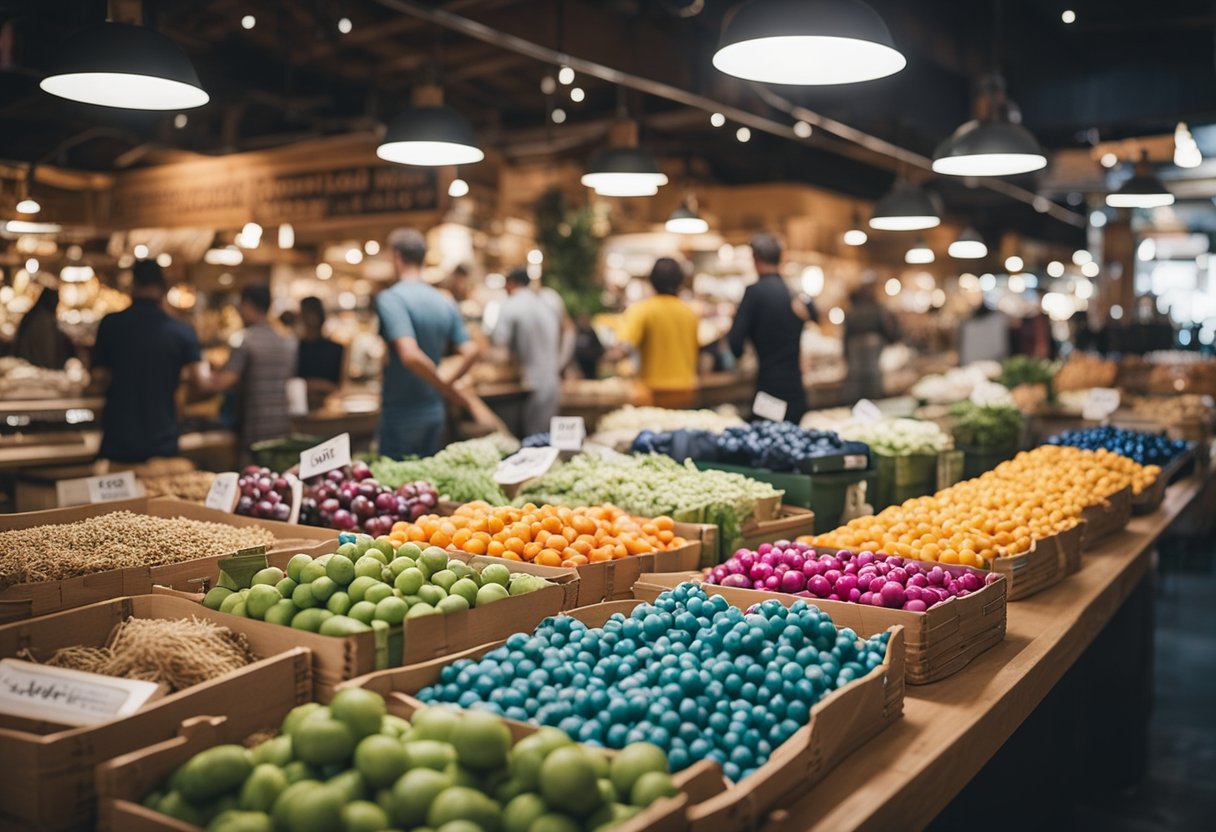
855,462
769,407
224,492
1100,403
331,454
68,697
566,433
525,465
865,412
297,497
99,489
297,397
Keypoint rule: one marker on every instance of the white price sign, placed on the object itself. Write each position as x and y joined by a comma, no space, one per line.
865,412
527,464
297,397
68,697
327,456
224,492
1100,403
99,489
769,407
566,433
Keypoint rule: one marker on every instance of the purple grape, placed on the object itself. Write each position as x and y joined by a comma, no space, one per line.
386,501
343,520
282,511
362,507
263,508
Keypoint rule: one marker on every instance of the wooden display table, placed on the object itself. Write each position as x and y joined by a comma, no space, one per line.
904,777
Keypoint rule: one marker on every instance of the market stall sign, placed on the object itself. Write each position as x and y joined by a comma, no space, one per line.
566,433
527,464
1100,403
769,407
99,489
69,697
224,492
865,412
323,458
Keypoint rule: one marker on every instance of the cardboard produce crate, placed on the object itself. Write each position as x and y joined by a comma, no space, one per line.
840,723
123,782
1150,499
1047,563
1106,517
24,600
48,781
938,642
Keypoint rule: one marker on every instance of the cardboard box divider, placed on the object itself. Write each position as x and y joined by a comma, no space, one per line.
1049,560
123,782
39,598
1106,517
1150,499
840,723
938,642
790,523
49,777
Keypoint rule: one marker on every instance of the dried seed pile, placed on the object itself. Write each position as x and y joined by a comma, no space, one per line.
179,652
119,540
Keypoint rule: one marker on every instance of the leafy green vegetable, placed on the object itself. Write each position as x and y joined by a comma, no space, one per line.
986,426
1022,369
463,471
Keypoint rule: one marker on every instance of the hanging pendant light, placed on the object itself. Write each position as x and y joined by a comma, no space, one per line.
120,65
1143,190
907,208
969,246
855,236
29,205
430,135
919,255
809,42
684,220
993,144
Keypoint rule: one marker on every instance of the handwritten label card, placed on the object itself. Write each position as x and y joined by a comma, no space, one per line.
1100,403
566,433
769,407
331,454
527,464
100,489
224,492
69,697
865,412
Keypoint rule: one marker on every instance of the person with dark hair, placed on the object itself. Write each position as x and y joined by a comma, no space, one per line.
39,339
320,358
140,353
420,326
531,332
663,331
772,319
258,367
868,328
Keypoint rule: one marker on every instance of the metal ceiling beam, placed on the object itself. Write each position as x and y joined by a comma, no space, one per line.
897,155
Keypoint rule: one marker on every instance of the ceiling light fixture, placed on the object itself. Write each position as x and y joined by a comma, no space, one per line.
1186,149
802,129
1143,190
808,42
993,143
1014,264
855,237
119,65
1109,160
430,134
344,25
1068,16
717,120
969,246
685,220
28,227
287,235
743,134
458,188
372,247
565,76
1055,269
626,169
577,94
248,21
919,254
29,205
907,208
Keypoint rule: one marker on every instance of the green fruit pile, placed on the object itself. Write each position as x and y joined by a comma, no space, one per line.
352,767
367,584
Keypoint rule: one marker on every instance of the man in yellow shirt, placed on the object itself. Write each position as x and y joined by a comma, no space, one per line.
663,331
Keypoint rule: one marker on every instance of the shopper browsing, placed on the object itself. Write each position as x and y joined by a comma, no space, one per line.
663,331
138,360
531,331
420,326
767,318
258,367
40,341
320,361
868,328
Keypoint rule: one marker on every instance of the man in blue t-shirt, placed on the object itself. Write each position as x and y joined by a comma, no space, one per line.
140,352
420,326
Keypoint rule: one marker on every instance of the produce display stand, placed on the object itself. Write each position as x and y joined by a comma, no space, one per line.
48,778
1048,562
938,642
840,723
904,777
23,600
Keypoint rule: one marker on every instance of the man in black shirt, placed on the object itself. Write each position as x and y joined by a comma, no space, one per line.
140,352
320,360
768,316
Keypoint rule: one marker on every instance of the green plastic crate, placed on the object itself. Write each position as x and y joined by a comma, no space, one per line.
822,493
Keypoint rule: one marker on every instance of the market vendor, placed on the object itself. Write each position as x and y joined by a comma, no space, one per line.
663,331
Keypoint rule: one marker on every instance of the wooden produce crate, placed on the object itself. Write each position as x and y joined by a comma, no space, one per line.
791,522
24,600
48,778
123,782
1106,517
1049,560
840,723
938,642
1150,499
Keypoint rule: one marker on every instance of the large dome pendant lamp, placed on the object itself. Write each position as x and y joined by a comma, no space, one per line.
1143,190
993,143
120,65
430,134
907,207
808,42
624,170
